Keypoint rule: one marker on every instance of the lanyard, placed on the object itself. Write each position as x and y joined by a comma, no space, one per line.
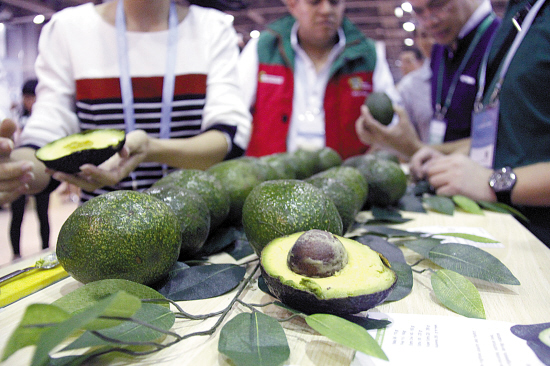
441,111
169,75
497,83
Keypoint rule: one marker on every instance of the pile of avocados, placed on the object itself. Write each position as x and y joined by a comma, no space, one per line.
279,200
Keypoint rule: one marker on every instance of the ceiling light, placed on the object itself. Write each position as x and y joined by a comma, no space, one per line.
39,19
398,12
409,26
406,6
408,42
254,34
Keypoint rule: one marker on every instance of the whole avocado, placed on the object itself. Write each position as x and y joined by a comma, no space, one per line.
121,234
281,207
380,107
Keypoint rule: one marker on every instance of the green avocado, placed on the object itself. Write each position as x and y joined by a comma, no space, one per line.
192,213
207,186
239,177
328,158
280,207
122,234
386,180
380,107
69,153
282,165
346,187
314,273
307,162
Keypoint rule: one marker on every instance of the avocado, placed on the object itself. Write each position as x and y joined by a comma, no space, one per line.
69,153
207,186
307,163
380,107
192,213
121,234
282,165
328,158
239,177
346,187
280,207
386,180
346,277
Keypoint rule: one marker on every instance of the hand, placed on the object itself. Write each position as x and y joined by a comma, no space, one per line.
400,137
419,161
116,168
15,176
457,174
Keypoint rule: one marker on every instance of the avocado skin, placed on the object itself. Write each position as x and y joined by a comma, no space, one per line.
308,303
207,186
285,206
71,163
192,213
380,107
121,234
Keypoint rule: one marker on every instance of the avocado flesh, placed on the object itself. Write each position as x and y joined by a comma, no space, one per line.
67,154
362,284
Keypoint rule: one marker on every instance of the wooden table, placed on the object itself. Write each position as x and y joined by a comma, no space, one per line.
524,255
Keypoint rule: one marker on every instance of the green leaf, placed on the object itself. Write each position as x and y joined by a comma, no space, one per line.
457,293
404,281
467,204
26,334
254,339
203,282
440,204
89,294
544,336
390,232
53,336
388,214
346,333
472,262
155,315
502,208
422,246
471,237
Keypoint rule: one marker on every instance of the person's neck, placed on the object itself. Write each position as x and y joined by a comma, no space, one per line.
146,15
317,53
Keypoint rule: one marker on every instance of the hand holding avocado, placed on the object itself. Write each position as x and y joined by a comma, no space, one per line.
114,169
401,136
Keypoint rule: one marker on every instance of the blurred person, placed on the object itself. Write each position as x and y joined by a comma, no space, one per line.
165,73
410,59
305,78
42,199
462,30
509,159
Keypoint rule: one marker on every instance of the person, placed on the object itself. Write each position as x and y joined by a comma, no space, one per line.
518,168
462,30
42,199
415,88
410,59
305,78
165,73
5,99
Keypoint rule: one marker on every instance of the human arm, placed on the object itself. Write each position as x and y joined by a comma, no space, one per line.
457,174
248,71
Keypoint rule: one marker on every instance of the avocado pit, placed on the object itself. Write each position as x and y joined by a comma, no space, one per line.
317,254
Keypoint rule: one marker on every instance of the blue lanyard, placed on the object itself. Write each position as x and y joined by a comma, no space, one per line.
497,84
169,75
441,110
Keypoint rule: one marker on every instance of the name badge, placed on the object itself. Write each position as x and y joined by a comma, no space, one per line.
484,135
438,128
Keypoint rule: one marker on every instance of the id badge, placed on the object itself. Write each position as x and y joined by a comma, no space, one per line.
484,135
438,127
310,131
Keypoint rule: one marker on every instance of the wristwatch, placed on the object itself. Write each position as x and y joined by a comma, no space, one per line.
502,182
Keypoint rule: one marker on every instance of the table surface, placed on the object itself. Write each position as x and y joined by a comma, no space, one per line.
526,257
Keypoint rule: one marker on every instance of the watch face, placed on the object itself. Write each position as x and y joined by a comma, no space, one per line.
502,180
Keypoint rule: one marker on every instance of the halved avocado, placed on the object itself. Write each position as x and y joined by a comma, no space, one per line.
67,154
362,283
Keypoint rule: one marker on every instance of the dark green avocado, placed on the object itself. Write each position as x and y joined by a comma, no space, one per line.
67,154
356,281
380,107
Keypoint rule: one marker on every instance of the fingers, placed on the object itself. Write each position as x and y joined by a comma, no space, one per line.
7,128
